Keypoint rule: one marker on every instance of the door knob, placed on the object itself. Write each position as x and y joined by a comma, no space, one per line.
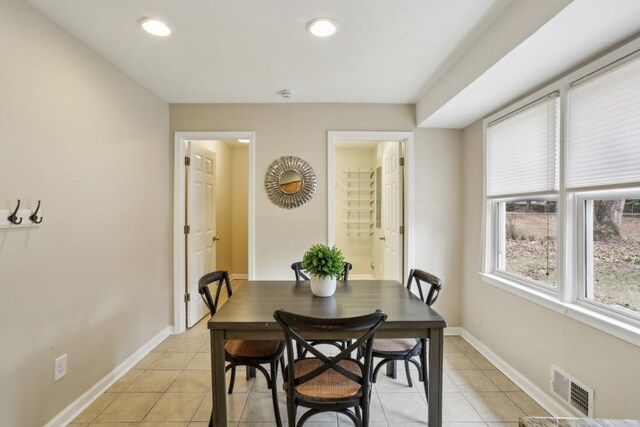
382,238
215,238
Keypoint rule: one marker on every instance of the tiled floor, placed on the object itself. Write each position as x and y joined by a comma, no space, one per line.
171,387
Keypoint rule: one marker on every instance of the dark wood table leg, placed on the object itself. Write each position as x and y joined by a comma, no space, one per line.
435,370
392,369
218,389
424,366
251,372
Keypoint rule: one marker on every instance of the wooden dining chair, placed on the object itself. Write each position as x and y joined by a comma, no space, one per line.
347,268
328,383
301,275
405,349
238,352
300,272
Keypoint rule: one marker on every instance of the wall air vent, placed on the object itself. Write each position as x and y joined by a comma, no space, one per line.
571,391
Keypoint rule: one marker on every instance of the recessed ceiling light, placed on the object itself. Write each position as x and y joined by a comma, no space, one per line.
322,27
155,27
243,141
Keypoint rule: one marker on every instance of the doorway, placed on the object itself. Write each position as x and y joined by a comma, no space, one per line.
201,231
213,217
370,204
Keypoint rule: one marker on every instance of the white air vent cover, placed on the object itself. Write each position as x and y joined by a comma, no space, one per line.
573,392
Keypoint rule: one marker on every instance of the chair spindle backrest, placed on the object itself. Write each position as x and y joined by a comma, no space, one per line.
347,267
299,271
222,277
435,285
302,275
367,325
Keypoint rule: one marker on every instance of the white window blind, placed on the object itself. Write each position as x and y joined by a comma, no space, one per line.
522,150
603,129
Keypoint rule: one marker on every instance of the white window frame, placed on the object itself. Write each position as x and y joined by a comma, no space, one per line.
499,242
584,222
565,299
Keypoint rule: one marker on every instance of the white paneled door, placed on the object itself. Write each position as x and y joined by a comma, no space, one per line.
392,211
201,215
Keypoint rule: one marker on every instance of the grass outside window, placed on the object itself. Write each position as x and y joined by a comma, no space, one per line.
613,253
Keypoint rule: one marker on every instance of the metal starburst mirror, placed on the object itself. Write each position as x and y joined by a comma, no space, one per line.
290,182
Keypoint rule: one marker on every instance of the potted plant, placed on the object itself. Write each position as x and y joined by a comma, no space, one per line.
324,265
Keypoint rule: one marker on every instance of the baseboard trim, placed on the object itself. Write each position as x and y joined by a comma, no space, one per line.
360,277
67,415
239,277
453,330
545,400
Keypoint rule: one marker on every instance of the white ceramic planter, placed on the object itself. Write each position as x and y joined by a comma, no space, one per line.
323,287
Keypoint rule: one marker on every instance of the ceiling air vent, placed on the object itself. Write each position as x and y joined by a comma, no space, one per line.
571,391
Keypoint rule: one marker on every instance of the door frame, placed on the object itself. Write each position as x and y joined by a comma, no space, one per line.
179,220
332,138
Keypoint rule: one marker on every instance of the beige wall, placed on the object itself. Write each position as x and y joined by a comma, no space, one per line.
94,280
438,214
283,235
530,337
240,210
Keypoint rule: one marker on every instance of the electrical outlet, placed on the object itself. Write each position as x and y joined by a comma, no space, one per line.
60,367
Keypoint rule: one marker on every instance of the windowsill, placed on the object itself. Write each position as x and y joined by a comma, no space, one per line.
609,325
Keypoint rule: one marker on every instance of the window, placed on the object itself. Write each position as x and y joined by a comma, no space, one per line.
527,245
603,152
611,251
522,187
562,193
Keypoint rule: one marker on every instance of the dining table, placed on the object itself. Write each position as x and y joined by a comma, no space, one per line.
248,314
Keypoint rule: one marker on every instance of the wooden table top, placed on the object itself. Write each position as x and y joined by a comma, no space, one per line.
252,306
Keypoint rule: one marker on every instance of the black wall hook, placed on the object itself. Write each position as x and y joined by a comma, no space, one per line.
34,216
13,218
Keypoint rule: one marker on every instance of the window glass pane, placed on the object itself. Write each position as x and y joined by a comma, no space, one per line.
530,246
616,254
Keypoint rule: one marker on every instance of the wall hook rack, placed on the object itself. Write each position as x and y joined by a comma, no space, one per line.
34,216
13,218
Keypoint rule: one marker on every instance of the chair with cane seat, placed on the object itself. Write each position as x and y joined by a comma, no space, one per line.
328,383
239,352
405,349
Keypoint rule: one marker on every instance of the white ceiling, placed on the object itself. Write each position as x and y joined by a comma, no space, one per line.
241,51
575,34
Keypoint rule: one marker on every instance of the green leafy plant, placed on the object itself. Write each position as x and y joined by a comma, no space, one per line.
323,261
